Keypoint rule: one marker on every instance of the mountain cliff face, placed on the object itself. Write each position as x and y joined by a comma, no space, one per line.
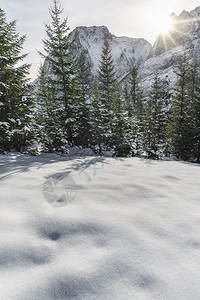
88,43
160,58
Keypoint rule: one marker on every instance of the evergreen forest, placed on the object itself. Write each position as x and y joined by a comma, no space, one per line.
68,109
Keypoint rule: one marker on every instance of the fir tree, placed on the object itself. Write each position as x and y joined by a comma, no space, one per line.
121,133
15,101
155,120
107,77
135,105
179,129
135,110
194,110
126,96
81,127
107,90
62,67
108,116
51,130
97,118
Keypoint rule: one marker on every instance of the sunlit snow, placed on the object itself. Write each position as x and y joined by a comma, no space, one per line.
116,229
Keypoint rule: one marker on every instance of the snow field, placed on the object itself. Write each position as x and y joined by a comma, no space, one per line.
112,228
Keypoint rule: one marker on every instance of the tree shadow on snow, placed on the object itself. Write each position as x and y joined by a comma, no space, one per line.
15,163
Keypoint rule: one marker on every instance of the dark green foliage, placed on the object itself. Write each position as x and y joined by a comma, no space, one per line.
135,103
15,101
108,122
121,133
155,120
195,111
179,129
107,91
107,79
51,130
82,131
62,67
66,90
194,95
97,117
134,100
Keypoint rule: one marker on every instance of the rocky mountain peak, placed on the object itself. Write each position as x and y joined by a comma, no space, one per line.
98,32
89,41
184,38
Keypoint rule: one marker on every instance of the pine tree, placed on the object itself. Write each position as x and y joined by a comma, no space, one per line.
107,77
179,129
194,110
196,124
15,100
121,137
81,127
51,131
58,54
97,118
126,96
135,110
107,89
155,120
108,116
136,94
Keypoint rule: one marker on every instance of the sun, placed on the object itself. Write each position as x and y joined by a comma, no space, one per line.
165,25
159,23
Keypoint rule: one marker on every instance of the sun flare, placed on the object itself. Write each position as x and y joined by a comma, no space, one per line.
160,24
166,24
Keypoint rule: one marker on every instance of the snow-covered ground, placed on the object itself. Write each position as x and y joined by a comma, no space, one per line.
98,228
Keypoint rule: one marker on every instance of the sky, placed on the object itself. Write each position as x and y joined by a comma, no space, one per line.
133,18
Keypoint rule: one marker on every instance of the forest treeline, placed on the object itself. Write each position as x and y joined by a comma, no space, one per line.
66,109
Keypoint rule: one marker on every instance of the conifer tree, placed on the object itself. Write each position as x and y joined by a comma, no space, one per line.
194,110
107,89
179,129
15,101
135,110
82,125
107,77
121,137
126,96
196,124
136,94
51,130
155,120
108,116
62,67
97,118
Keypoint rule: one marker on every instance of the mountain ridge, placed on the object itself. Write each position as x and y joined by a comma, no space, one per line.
159,58
88,43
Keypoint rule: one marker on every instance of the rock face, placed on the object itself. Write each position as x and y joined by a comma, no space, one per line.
160,58
88,43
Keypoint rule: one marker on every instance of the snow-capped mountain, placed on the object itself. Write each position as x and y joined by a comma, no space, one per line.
160,58
88,43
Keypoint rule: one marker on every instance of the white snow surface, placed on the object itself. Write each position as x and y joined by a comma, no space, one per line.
90,228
